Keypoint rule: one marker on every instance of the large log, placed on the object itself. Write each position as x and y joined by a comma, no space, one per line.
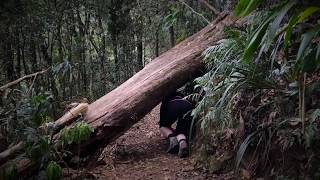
116,112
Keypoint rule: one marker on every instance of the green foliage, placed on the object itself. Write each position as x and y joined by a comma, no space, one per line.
274,19
226,76
297,19
42,106
38,148
245,7
171,19
54,171
78,133
9,173
278,51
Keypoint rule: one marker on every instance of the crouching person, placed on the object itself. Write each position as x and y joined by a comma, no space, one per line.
176,108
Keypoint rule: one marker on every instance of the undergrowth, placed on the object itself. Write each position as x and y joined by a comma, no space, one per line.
27,117
262,88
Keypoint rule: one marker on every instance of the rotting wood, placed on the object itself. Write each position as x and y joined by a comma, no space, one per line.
69,116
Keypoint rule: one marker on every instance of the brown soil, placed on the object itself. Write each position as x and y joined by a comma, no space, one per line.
140,154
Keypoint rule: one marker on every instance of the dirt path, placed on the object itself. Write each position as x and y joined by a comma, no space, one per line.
140,154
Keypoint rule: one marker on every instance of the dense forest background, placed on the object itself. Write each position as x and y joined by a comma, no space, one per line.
96,45
86,48
77,51
259,104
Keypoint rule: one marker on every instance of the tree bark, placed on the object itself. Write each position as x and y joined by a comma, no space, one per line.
116,112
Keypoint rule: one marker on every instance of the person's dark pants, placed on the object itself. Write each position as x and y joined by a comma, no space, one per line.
176,109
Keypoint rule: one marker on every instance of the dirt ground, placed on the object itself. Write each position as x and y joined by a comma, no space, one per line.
140,154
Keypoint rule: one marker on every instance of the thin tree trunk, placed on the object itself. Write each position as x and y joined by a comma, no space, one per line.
116,57
18,52
102,55
172,36
33,54
140,50
10,61
25,67
82,53
157,42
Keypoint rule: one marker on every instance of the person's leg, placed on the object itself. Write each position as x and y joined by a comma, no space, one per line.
184,125
182,131
166,121
183,146
169,113
165,131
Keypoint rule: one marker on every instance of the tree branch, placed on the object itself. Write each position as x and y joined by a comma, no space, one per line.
11,152
6,86
204,18
209,6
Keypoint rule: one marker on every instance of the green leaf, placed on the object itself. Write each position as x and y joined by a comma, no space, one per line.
243,147
306,41
255,41
315,115
308,12
35,153
318,52
245,7
9,173
275,25
54,171
287,37
310,63
296,19
79,132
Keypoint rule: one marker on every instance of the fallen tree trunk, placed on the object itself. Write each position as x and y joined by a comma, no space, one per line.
116,112
113,114
11,152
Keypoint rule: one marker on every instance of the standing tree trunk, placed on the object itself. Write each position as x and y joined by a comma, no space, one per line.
140,51
139,43
82,53
25,67
157,43
9,62
172,36
102,55
33,54
18,52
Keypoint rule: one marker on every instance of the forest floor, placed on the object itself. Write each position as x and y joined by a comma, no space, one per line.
140,154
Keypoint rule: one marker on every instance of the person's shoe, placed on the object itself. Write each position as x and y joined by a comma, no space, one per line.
183,149
173,145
